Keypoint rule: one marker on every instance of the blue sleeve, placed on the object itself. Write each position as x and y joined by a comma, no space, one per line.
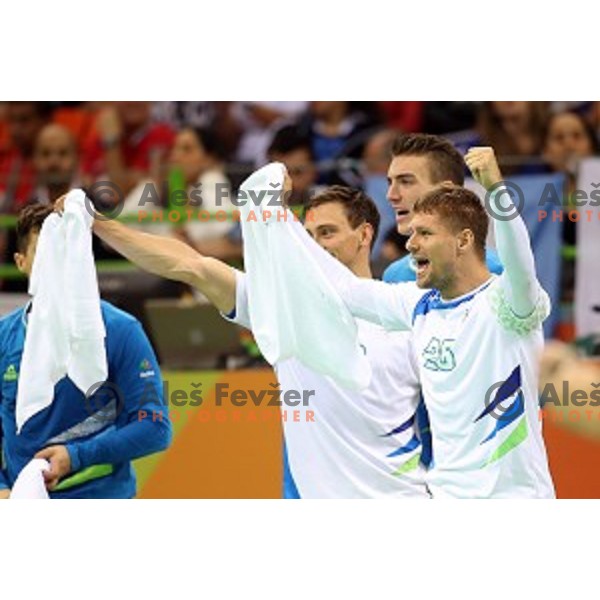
143,425
399,271
3,475
493,262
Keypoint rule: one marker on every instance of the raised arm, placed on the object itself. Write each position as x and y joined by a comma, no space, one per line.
520,283
169,258
172,259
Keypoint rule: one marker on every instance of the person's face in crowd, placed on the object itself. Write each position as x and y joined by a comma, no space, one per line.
325,110
133,115
377,153
24,123
514,110
328,225
301,169
55,156
189,155
433,248
409,179
566,141
24,260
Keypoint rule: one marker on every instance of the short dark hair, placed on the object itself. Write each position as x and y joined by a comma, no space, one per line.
359,207
445,161
30,221
289,139
460,209
209,141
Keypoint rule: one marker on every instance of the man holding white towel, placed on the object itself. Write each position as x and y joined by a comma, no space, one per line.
360,444
88,442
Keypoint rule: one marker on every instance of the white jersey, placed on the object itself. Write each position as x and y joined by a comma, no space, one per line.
478,371
355,444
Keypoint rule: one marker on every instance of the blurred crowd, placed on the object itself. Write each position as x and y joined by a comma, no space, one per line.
46,148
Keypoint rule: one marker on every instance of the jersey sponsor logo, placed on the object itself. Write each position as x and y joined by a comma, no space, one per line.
146,369
10,374
439,355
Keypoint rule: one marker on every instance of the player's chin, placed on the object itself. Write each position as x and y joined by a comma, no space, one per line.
425,281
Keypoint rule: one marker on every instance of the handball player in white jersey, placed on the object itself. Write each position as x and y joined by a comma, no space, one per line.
477,337
358,444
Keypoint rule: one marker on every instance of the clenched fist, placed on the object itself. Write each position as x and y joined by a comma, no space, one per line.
483,165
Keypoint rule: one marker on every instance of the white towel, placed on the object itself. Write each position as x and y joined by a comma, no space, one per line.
30,485
65,331
294,310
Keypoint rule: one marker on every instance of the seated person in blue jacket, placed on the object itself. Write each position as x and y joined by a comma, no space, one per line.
420,163
89,442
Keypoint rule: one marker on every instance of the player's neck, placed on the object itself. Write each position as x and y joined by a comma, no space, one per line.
466,281
362,269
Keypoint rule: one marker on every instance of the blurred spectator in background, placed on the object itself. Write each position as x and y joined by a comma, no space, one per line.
448,117
258,122
197,157
515,130
127,146
376,159
79,118
55,161
290,147
204,114
24,120
338,130
403,116
568,138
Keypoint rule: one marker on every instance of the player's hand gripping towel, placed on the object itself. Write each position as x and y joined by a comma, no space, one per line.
65,332
294,309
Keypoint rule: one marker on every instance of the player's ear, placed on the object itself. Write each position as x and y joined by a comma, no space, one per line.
465,239
19,261
367,233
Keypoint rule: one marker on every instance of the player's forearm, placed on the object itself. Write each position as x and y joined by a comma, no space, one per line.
141,437
160,255
172,259
514,250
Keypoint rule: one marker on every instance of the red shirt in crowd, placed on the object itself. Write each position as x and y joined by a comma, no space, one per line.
137,149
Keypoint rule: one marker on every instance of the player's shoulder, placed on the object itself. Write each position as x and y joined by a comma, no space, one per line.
399,271
10,323
115,319
15,316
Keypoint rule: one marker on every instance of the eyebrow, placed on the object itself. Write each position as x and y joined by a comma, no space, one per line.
407,175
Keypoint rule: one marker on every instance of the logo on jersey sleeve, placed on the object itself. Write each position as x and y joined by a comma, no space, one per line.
10,374
439,355
146,369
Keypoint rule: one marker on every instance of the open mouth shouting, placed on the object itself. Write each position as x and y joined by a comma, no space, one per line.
402,215
422,265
